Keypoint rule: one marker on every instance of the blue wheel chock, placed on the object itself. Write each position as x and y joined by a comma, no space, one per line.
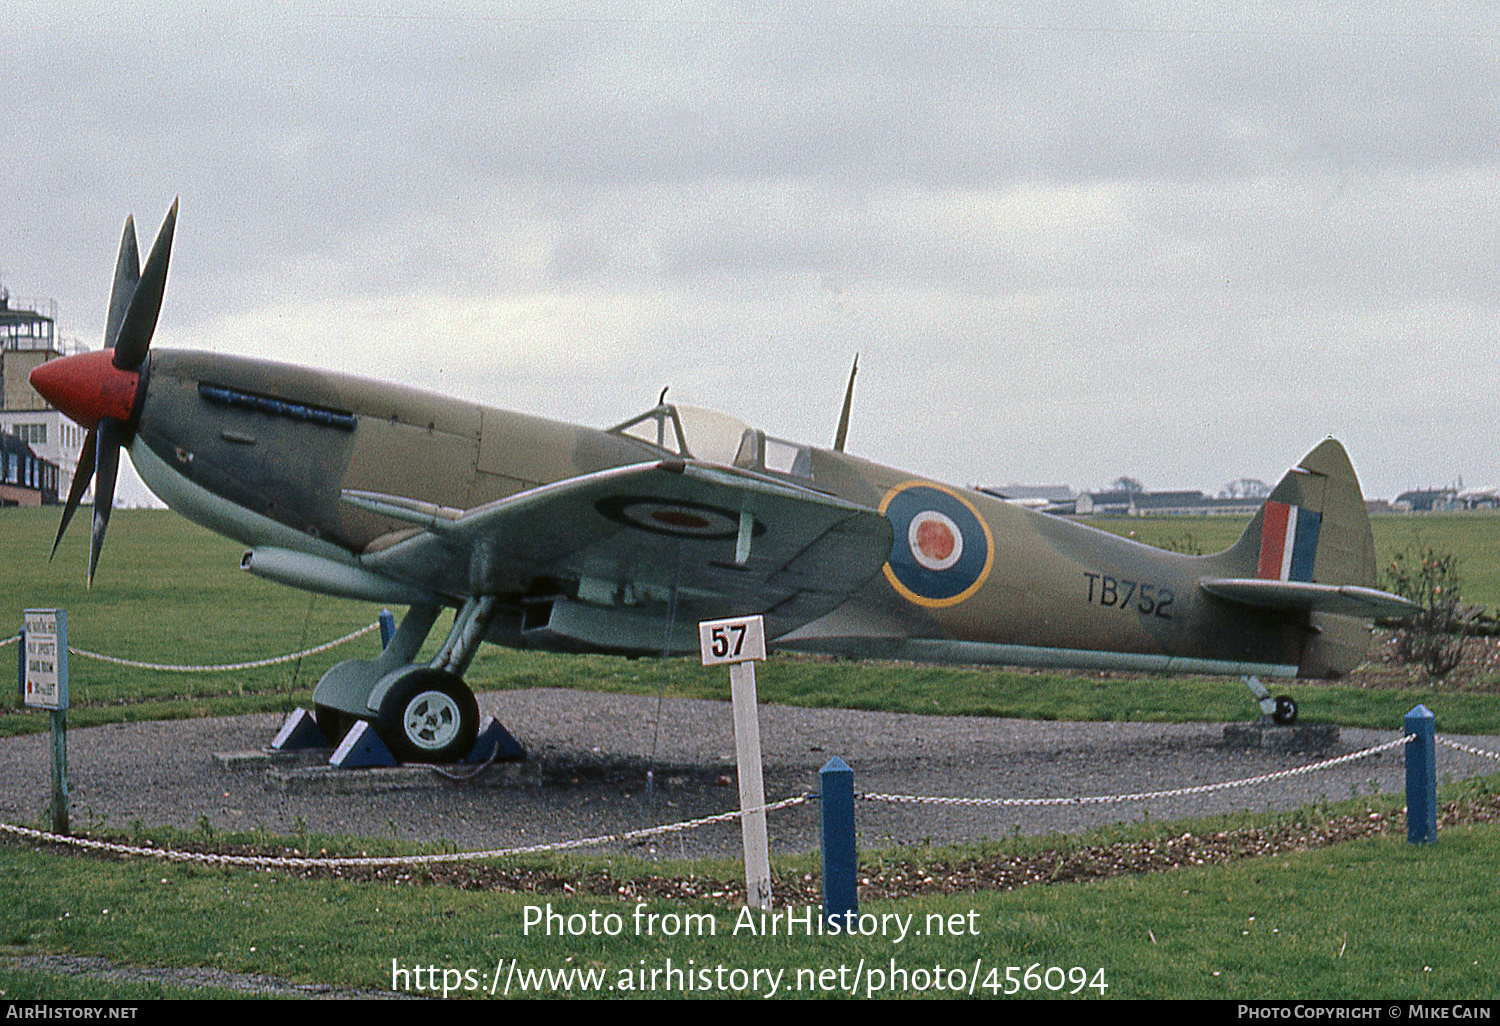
298,732
361,748
495,744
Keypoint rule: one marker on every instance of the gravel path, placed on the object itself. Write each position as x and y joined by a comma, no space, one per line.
593,750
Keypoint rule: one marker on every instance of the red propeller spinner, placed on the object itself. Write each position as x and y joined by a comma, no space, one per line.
88,387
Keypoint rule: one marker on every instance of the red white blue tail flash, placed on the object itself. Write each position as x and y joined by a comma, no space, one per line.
1288,542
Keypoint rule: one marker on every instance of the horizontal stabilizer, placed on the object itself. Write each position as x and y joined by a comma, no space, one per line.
1344,599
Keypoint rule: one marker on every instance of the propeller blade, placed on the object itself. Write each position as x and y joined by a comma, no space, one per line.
139,322
127,275
83,473
106,466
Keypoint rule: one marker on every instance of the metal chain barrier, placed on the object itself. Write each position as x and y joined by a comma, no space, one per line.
1142,796
10,640
368,862
172,668
1466,748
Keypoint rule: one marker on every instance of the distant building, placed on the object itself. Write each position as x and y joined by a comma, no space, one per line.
1164,504
1045,498
25,478
1479,498
1427,500
1063,500
1192,504
28,339
1109,504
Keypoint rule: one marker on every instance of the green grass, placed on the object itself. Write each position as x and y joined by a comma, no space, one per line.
168,591
1473,537
1368,918
970,691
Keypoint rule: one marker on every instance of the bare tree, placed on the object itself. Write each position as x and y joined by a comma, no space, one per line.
1246,488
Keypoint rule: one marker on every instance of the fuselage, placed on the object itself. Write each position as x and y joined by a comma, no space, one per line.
263,452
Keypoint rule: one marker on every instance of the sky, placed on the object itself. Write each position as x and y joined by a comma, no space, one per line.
1183,242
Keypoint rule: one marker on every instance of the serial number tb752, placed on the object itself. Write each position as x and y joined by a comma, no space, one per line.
1149,599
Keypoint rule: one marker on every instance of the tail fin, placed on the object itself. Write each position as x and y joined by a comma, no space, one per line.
1313,528
1310,549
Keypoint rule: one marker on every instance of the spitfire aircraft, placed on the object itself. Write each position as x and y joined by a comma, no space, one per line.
547,535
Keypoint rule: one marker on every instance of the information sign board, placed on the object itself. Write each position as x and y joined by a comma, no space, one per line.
47,658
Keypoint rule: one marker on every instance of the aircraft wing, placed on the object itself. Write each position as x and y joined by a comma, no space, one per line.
1345,599
624,550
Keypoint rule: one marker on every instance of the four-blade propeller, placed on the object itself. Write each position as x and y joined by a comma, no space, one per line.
99,390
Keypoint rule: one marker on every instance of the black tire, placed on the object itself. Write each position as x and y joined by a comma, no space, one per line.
1286,711
334,723
428,716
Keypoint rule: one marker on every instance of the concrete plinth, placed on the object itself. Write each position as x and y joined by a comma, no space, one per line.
377,780
262,758
1311,737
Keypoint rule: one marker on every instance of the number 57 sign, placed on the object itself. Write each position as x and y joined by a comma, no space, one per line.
740,641
732,641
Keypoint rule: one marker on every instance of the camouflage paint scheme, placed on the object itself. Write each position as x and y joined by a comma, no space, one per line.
1050,592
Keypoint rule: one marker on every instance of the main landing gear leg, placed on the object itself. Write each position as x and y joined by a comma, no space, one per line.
470,624
427,713
1280,710
342,695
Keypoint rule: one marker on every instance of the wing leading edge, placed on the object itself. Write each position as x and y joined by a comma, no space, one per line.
615,555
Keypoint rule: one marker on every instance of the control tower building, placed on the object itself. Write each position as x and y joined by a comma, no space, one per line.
28,339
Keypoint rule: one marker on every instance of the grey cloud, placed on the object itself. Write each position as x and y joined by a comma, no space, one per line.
1069,224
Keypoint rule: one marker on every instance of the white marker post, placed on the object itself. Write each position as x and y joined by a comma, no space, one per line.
739,641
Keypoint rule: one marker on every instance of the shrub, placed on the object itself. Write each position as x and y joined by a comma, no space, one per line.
1434,635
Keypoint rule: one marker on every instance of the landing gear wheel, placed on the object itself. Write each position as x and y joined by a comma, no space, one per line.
428,716
1286,711
334,723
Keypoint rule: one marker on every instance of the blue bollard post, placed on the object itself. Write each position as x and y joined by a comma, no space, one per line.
840,855
1421,776
387,628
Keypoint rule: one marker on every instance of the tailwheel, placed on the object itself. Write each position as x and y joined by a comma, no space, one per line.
428,716
1286,711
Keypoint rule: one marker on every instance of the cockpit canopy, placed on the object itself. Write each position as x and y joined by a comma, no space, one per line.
692,432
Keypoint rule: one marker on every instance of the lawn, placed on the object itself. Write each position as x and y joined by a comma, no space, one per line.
1373,917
